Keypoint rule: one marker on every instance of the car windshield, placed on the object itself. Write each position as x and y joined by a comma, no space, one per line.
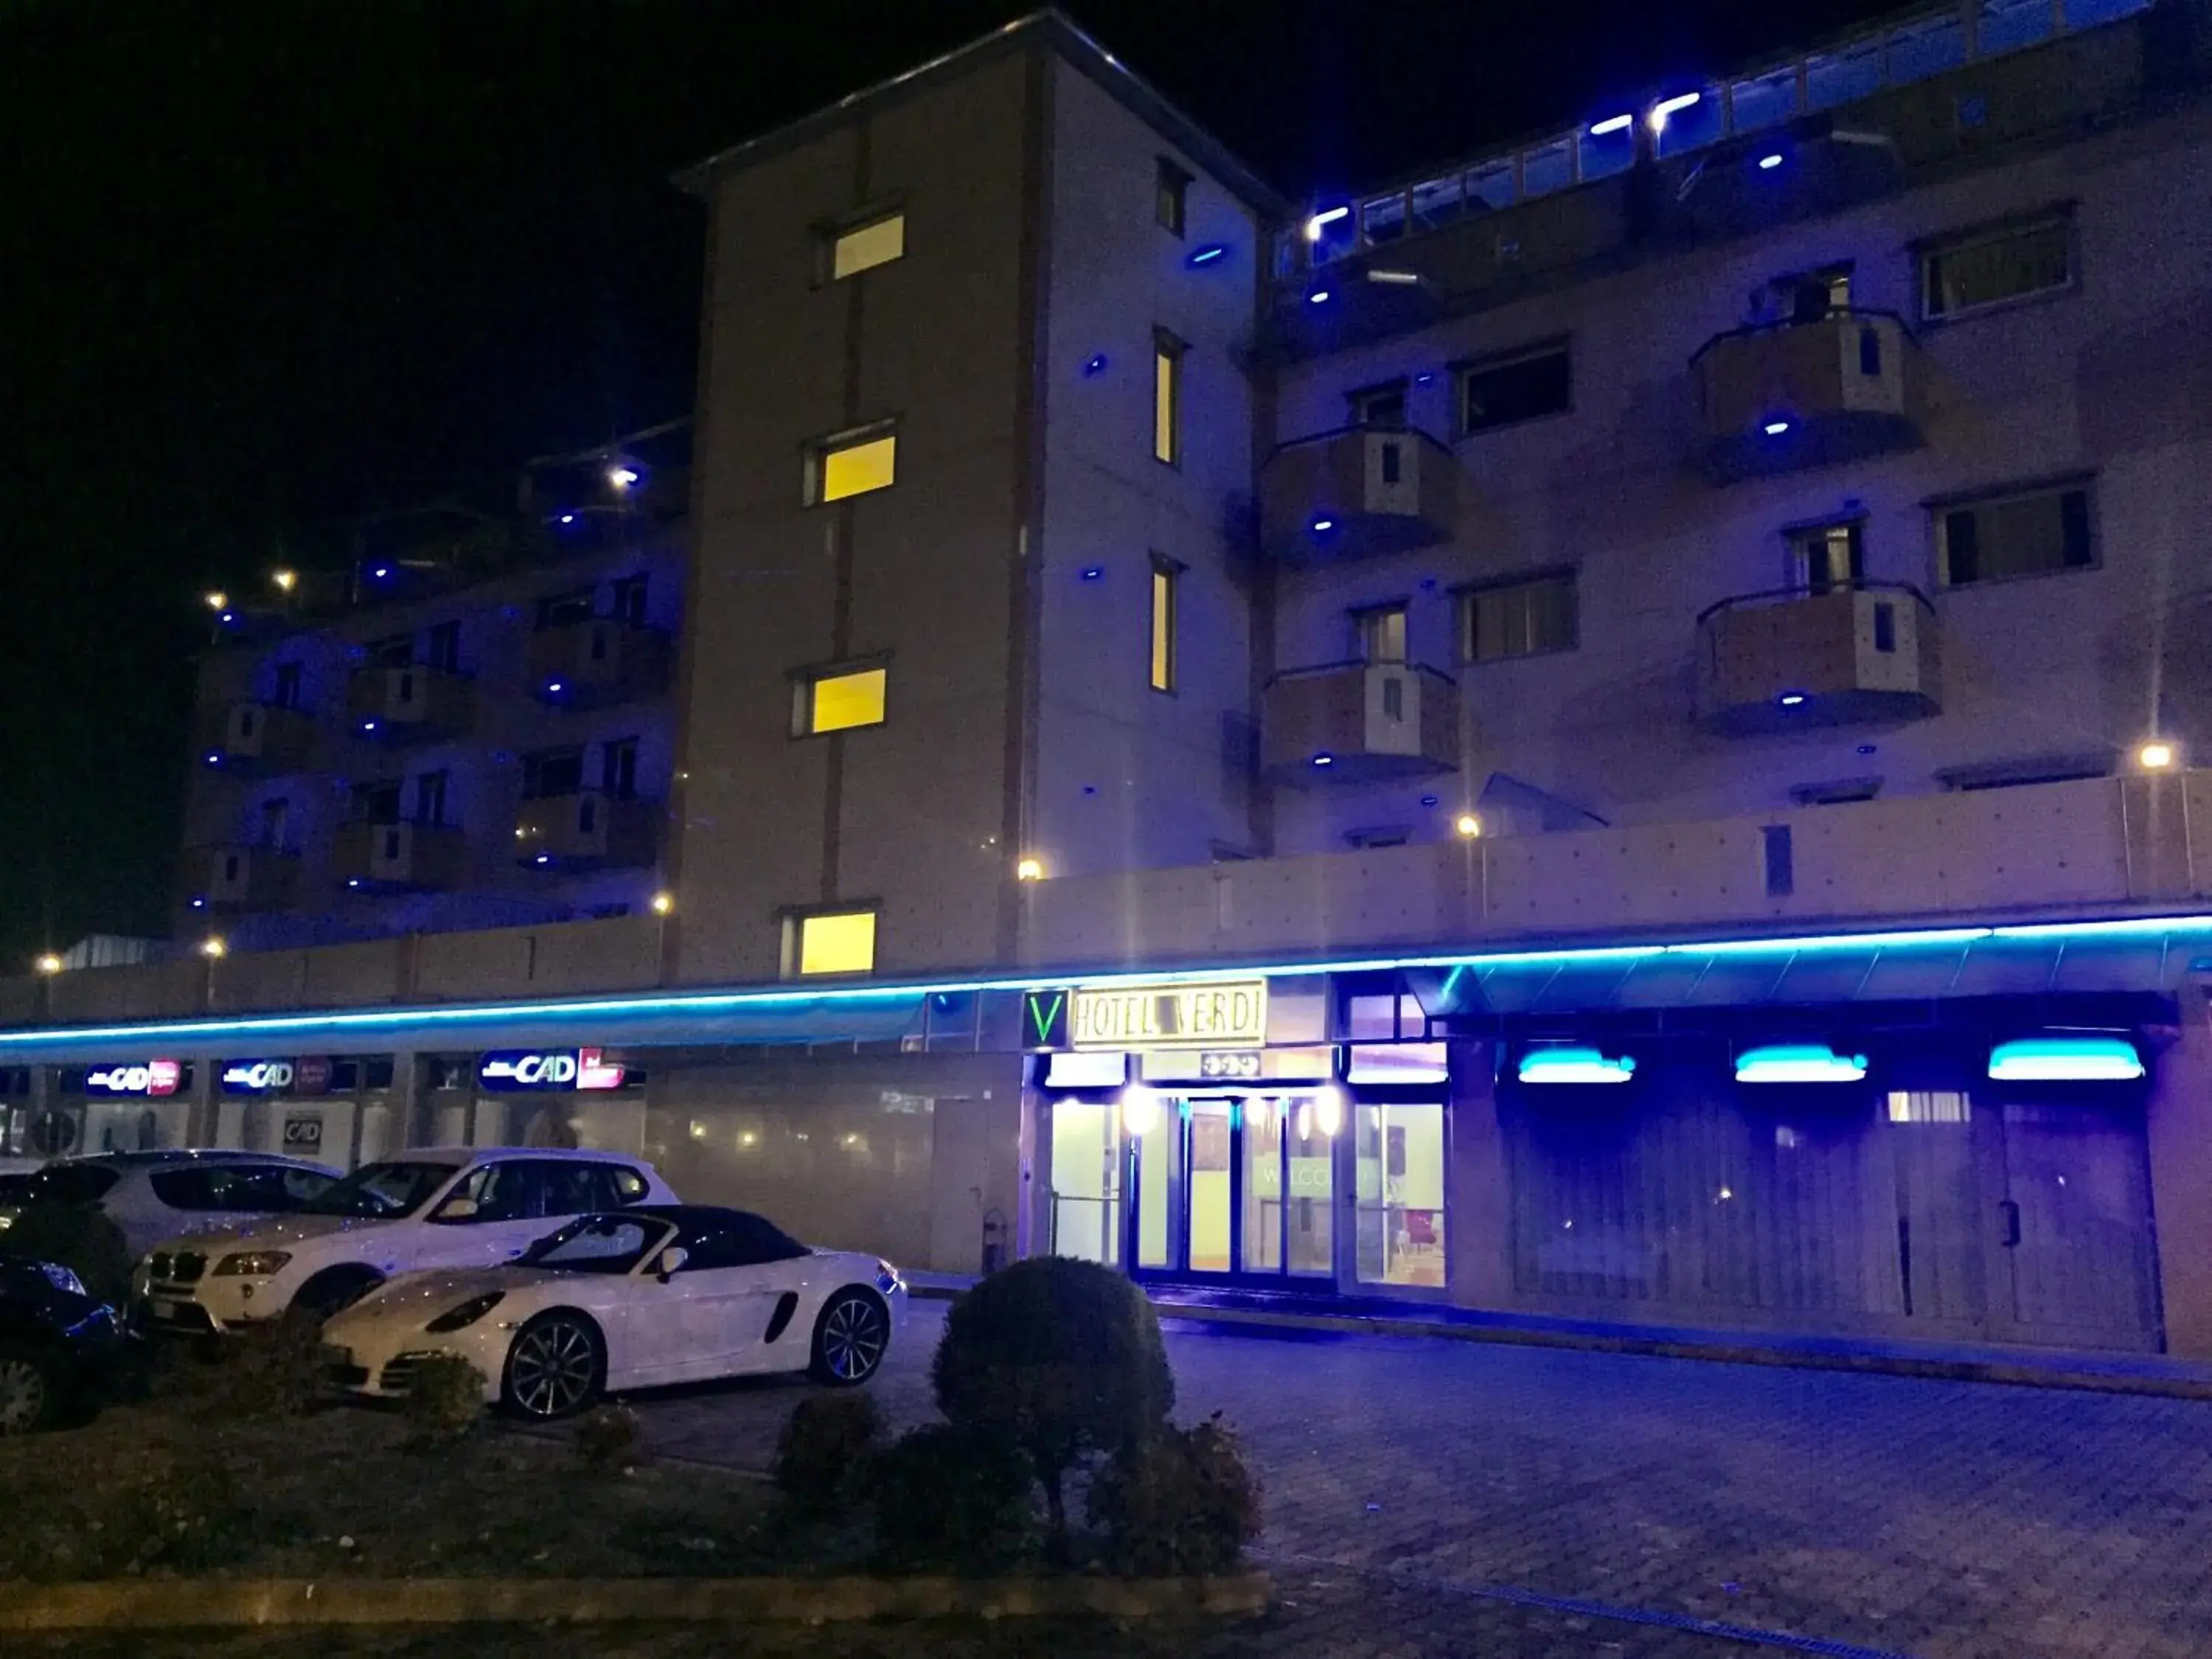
599,1244
381,1191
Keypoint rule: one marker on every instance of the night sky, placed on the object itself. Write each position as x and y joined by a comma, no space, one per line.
271,267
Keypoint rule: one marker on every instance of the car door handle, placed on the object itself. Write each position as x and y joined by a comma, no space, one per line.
2011,1209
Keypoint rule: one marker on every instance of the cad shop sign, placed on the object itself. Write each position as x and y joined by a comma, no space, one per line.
522,1072
153,1076
256,1076
303,1132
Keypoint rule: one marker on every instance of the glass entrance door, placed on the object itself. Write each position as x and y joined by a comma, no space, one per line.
1232,1187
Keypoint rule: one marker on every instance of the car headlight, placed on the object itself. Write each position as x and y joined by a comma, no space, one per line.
460,1318
62,1278
251,1264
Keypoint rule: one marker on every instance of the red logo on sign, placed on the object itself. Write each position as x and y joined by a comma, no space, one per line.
311,1074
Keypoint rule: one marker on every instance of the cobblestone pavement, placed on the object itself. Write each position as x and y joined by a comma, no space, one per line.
1953,1521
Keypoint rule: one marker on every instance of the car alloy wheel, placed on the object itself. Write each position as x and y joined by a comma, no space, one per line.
850,1343
22,1393
554,1368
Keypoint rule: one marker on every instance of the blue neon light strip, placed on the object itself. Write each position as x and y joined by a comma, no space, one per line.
827,997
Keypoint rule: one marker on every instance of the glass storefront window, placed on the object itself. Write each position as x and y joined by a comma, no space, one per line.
1206,1187
1085,1181
1263,1188
1309,1219
1154,1160
1401,1195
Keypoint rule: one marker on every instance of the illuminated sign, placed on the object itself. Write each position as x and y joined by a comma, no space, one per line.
1237,1064
1044,1018
1217,1014
256,1077
515,1072
155,1077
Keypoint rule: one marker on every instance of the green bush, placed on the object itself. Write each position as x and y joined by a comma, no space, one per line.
606,1438
823,1445
78,1236
1064,1358
950,1496
273,1369
445,1401
1178,1501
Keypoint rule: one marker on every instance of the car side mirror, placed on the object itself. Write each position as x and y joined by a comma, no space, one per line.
672,1261
456,1209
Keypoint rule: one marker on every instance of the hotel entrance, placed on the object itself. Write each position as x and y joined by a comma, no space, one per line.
1237,1186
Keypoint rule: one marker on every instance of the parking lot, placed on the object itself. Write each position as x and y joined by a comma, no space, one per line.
1892,1514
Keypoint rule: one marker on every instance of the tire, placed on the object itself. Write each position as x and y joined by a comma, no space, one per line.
851,1338
556,1366
29,1394
333,1292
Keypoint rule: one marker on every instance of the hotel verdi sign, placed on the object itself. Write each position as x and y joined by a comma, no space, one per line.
528,1071
1225,1015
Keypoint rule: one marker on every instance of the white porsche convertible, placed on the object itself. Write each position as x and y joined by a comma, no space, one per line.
634,1299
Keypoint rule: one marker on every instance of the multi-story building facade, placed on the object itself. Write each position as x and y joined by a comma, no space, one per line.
1606,730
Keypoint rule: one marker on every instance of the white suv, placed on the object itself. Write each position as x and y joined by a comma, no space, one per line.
440,1208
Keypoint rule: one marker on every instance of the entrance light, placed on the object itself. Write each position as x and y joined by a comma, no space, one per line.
1574,1063
1030,869
1467,826
2155,755
1798,1062
1140,1111
2078,1059
1328,1109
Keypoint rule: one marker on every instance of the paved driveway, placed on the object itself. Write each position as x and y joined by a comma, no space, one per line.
1893,1515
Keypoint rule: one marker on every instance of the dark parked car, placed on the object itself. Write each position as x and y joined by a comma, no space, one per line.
58,1345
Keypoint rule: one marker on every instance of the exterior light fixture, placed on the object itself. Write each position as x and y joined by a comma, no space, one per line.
1324,759
218,600
1666,106
1318,297
1030,869
199,900
1574,1063
285,580
2077,1059
568,518
1322,527
1094,366
2156,756
663,903
49,964
553,688
1798,1062
1321,222
1092,573
211,948
1467,826
1207,255
622,477
1140,1111
544,858
214,757
1612,124
368,725
381,572
1768,163
1775,428
353,881
1397,278
1790,699
1329,1104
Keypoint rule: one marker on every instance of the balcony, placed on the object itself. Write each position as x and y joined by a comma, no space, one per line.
592,830
258,739
1359,722
596,662
1780,662
240,879
1783,397
1356,492
398,858
413,704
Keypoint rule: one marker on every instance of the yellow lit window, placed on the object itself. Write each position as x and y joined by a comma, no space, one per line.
1164,574
840,942
865,246
838,702
855,468
1167,398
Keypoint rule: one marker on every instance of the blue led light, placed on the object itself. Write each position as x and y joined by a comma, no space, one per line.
544,858
229,616
2071,1059
214,759
1318,297
1798,1062
1324,759
568,518
1775,428
1092,573
353,881
1790,699
553,688
1211,252
1428,801
368,725
1574,1063
199,901
1322,527
1768,163
381,572
1094,366
1424,379
1612,124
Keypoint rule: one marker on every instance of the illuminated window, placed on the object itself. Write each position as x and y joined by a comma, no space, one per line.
1382,633
839,701
1166,574
1172,196
1824,557
854,464
829,942
863,247
1167,397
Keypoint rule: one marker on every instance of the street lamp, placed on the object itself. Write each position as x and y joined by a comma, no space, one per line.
50,963
212,948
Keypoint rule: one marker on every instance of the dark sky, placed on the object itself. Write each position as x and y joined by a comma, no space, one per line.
269,266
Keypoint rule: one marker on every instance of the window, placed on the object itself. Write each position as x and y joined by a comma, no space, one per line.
276,826
1167,575
1379,405
1171,195
287,693
552,772
571,1188
376,803
1167,397
626,1185
562,609
1826,556
497,1192
864,246
852,464
431,797
838,700
829,942
1398,1153
396,652
1520,619
628,596
742,1241
2030,534
442,647
1990,268
618,767
1517,388
1381,633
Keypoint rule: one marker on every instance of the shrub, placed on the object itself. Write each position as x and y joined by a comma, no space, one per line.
1064,1357
819,1454
445,1401
606,1438
273,1369
78,1236
1178,1501
951,1497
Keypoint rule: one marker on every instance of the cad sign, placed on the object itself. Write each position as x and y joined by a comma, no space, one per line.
256,1076
153,1076
303,1132
521,1071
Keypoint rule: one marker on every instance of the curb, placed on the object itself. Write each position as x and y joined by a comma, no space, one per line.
153,1604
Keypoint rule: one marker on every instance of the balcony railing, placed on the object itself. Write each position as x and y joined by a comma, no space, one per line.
398,857
1780,661
410,704
597,661
235,879
588,830
1357,491
1778,396
1359,722
258,739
